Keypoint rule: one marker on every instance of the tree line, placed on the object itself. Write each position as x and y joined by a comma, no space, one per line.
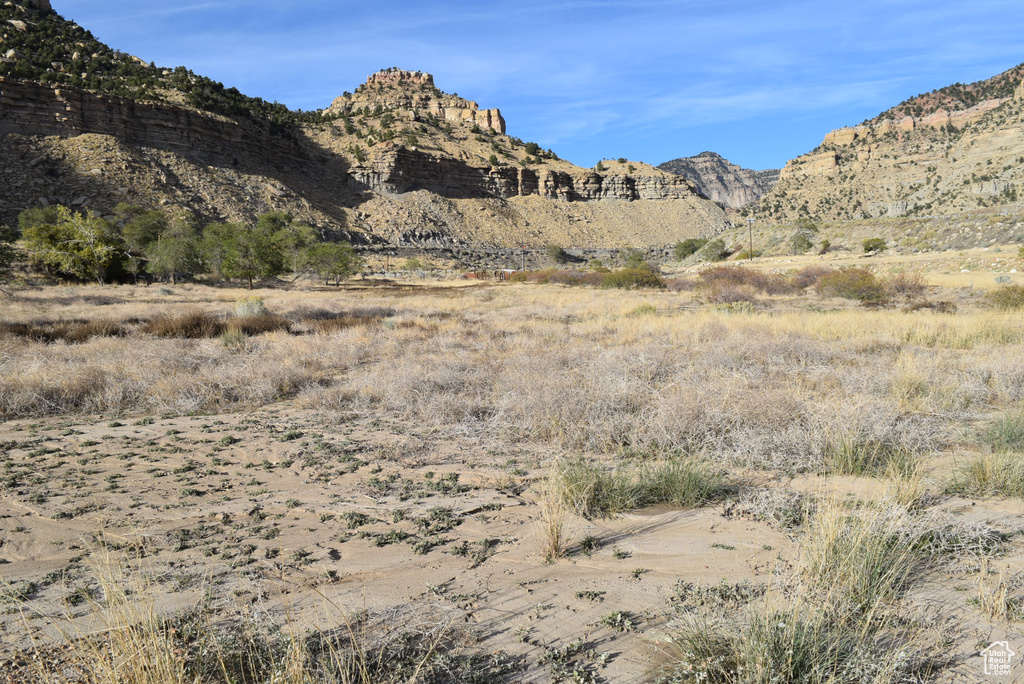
136,242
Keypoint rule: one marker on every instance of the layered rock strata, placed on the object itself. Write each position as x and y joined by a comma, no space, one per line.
722,181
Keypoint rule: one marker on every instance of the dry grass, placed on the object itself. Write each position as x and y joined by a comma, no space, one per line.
128,641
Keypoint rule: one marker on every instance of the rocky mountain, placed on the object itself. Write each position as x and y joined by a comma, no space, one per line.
958,148
397,161
722,181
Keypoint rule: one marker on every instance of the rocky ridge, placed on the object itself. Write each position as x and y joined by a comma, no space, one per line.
398,161
722,181
942,161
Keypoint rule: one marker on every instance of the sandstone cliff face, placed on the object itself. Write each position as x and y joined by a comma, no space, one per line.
396,169
721,181
37,109
437,187
941,162
414,91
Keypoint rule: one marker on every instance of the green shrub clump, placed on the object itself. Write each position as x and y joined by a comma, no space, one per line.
874,245
633,278
852,283
689,247
1007,297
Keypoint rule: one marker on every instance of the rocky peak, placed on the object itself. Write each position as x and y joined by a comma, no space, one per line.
395,75
410,95
722,181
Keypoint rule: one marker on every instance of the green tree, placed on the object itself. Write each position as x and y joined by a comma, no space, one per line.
75,243
557,254
333,259
214,246
292,237
714,251
140,232
252,252
874,245
30,218
177,248
493,160
800,242
689,247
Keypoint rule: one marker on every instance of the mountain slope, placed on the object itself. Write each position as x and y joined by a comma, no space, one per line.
397,161
722,181
958,148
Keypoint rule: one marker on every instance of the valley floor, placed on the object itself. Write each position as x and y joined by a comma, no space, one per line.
456,483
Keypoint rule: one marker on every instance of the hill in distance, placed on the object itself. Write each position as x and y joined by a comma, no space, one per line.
397,161
957,149
722,181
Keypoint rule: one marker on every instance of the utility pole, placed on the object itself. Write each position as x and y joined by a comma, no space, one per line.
750,232
522,255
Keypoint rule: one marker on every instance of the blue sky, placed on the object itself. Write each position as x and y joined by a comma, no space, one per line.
651,80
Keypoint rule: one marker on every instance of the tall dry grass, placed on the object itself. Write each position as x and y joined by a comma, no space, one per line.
796,391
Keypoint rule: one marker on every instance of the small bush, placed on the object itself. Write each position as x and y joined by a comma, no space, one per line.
729,293
591,489
190,325
808,276
1006,433
768,283
681,284
633,278
862,558
852,283
1007,297
781,644
799,242
68,331
557,254
714,251
250,307
689,247
906,285
874,245
257,325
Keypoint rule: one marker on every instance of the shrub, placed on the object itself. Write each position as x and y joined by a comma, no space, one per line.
799,242
824,247
630,278
809,276
1007,297
989,475
852,283
190,325
907,285
769,283
861,558
874,245
1006,433
729,293
591,489
257,325
714,251
250,306
68,331
595,264
689,247
747,254
557,254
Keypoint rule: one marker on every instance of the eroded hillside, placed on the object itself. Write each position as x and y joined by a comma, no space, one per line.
924,157
397,161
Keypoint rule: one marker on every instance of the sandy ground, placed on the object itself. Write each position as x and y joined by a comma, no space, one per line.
307,515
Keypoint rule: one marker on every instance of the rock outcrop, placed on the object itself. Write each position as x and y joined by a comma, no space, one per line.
722,181
414,92
28,108
396,169
938,160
